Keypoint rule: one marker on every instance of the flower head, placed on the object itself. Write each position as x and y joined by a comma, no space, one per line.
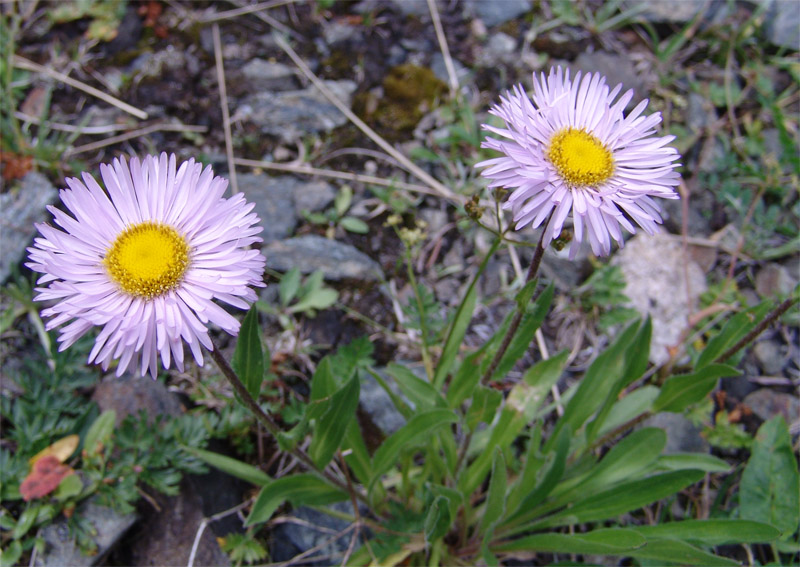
572,149
146,260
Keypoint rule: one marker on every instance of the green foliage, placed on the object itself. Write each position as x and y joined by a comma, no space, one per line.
337,216
603,295
300,295
243,548
106,16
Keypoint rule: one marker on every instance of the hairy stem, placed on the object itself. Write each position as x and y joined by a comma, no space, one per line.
271,426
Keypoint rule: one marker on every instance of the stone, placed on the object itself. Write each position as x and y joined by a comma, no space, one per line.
129,394
654,268
280,201
766,403
267,75
682,435
617,69
671,11
499,48
291,115
375,401
311,252
312,529
774,280
19,211
769,356
782,24
61,548
440,69
494,13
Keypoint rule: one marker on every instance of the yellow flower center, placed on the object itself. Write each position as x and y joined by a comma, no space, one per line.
580,158
148,259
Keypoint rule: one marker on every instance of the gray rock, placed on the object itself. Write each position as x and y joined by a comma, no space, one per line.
500,47
494,12
767,403
375,401
291,115
61,548
782,24
311,252
312,529
129,394
700,112
19,210
672,11
617,69
440,69
769,356
417,8
266,75
654,268
338,32
774,280
682,435
279,201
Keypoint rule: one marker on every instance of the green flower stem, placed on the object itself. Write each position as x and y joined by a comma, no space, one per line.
426,355
515,322
273,428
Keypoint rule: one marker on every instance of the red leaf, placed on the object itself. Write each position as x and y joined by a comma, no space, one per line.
45,477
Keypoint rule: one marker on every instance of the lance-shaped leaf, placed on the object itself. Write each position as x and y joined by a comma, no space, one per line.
248,357
332,426
681,391
298,489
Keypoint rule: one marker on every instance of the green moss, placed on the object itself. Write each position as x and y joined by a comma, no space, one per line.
409,92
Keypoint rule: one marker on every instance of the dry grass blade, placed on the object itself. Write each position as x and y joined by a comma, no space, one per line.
223,102
133,134
406,163
448,60
22,63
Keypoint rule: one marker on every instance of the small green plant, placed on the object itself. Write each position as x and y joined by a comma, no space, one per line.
603,296
337,215
300,295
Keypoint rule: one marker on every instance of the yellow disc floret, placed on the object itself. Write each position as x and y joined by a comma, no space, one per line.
580,158
148,259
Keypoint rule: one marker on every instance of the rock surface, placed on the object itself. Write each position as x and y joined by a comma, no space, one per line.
310,252
682,435
19,210
291,115
655,271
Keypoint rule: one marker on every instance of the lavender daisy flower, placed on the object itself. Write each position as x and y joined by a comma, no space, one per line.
146,260
572,148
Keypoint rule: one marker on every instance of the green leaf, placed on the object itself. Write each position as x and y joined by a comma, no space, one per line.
531,320
503,432
332,426
485,402
232,466
456,336
418,428
529,394
679,552
100,432
496,498
770,488
248,357
357,457
323,384
733,331
623,498
26,521
606,370
712,532
290,284
681,391
609,541
320,298
465,378
68,487
353,224
699,461
343,199
299,490
9,555
551,473
636,358
634,404
419,392
438,519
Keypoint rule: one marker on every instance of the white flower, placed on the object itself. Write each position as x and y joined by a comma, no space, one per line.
145,261
572,149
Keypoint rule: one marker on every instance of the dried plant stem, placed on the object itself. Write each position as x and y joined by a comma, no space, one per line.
131,135
270,425
223,102
773,315
22,63
448,60
406,163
